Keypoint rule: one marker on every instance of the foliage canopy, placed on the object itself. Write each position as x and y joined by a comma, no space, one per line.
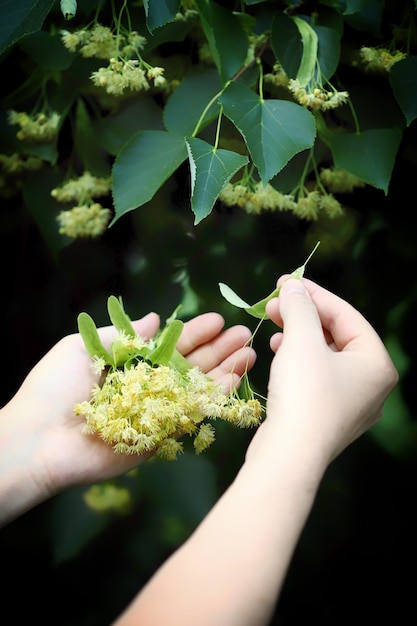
259,98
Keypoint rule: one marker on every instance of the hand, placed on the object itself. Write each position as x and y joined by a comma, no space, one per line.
43,448
328,382
330,376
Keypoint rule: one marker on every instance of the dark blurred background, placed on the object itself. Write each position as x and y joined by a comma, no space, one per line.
64,564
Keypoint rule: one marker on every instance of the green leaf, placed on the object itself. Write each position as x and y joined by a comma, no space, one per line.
43,208
369,154
274,130
403,78
47,50
91,338
300,56
232,297
166,343
160,12
256,310
138,113
211,169
18,19
179,362
353,6
188,102
226,37
86,142
119,319
365,15
309,55
142,166
286,43
328,54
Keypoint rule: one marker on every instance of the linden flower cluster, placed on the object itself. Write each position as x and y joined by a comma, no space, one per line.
82,188
84,221
313,96
12,166
126,69
102,43
340,181
35,128
107,497
256,198
144,408
317,97
310,205
19,163
379,60
278,76
260,198
88,218
121,75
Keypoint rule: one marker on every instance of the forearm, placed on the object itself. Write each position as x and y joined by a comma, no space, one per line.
231,570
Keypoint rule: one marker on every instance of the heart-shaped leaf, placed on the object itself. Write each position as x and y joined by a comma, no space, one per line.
211,169
274,130
142,166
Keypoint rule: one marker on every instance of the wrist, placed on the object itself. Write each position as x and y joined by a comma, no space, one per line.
275,451
23,483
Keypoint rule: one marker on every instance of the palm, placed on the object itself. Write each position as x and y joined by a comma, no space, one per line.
64,377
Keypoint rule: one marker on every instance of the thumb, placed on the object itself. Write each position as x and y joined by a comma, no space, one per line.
297,311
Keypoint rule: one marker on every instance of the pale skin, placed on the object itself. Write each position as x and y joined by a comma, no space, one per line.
329,379
43,448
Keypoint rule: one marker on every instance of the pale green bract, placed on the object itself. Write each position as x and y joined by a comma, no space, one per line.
160,351
68,8
309,58
259,308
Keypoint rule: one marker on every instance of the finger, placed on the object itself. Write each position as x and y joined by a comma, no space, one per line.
342,324
238,363
146,327
275,341
346,325
214,352
198,331
297,312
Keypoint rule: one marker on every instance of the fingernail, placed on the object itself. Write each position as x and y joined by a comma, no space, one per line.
293,285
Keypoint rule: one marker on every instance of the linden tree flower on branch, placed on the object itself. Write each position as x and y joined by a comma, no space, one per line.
153,94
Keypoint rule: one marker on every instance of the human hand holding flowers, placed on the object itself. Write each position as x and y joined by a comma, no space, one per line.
44,448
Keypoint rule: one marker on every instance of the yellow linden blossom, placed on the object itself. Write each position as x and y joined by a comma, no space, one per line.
84,221
121,75
18,163
277,77
35,128
340,181
331,205
101,42
107,497
379,60
308,207
256,198
126,70
82,188
143,408
317,97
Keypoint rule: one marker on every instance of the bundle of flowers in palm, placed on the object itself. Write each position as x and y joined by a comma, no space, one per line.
151,395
